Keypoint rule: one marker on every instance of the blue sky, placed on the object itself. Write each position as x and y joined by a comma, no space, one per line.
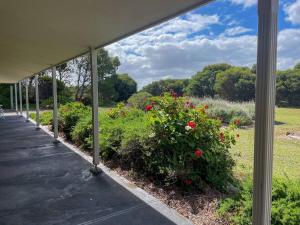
222,31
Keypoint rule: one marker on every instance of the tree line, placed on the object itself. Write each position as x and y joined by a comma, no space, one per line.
221,80
232,83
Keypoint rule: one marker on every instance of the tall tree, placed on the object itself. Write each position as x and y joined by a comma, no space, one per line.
64,72
236,84
202,84
288,87
83,78
125,87
156,88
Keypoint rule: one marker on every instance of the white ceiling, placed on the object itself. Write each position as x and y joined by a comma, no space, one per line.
36,34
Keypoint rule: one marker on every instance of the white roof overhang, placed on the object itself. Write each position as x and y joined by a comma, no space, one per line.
38,34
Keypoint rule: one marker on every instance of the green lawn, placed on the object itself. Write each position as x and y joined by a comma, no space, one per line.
286,151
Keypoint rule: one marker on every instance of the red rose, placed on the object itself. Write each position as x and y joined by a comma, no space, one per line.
237,122
188,181
148,107
222,137
174,94
206,107
198,153
191,124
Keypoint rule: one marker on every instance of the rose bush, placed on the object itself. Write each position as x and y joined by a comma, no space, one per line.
186,146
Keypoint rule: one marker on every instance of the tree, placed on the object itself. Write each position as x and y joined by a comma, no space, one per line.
156,88
236,84
288,87
297,66
64,72
46,88
202,84
5,95
125,87
83,78
253,69
116,88
107,68
106,65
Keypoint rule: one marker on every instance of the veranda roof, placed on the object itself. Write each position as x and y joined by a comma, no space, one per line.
35,35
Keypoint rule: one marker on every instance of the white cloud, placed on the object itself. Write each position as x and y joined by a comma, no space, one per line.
293,12
158,53
288,48
245,3
236,31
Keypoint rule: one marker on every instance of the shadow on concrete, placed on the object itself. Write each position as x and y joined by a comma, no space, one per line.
42,183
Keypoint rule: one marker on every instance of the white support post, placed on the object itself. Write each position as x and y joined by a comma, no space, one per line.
11,97
20,98
16,98
94,78
264,111
37,101
27,100
55,115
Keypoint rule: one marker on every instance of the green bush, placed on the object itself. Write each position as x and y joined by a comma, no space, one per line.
187,146
285,203
45,117
47,103
228,112
70,114
82,132
122,134
139,100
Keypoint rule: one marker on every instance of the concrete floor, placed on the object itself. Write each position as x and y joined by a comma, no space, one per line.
42,183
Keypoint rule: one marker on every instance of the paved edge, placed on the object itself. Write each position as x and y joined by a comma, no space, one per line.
149,199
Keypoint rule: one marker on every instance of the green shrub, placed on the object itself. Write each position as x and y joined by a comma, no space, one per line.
45,117
285,203
70,114
187,146
122,133
47,103
139,100
82,132
227,111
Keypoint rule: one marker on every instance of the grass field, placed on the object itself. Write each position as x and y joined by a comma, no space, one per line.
286,150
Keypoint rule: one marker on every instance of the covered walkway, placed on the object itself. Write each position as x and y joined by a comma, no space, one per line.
46,183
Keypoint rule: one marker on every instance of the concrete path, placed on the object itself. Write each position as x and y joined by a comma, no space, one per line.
42,183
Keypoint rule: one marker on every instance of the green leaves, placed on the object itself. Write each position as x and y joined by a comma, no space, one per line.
181,129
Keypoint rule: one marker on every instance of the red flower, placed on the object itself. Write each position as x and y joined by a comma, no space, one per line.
191,124
222,137
174,94
237,135
198,153
206,107
237,122
188,181
148,107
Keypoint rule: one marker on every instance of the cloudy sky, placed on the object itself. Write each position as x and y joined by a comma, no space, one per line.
222,31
